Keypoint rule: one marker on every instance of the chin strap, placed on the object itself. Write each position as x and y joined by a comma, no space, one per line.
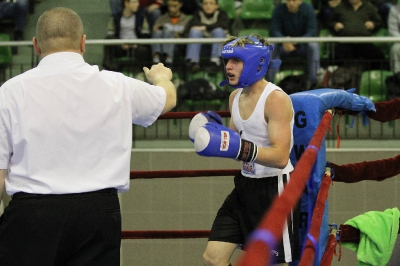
223,83
273,64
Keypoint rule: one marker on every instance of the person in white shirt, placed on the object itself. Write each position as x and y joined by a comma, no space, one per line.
65,147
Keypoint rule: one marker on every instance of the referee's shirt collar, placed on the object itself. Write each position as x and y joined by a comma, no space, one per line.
61,57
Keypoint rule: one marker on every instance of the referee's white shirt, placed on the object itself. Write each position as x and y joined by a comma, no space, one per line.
66,127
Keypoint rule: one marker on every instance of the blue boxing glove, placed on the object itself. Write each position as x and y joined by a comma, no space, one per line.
214,140
200,120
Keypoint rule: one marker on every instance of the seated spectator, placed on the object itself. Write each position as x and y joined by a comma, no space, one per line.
356,18
326,10
394,31
126,25
150,8
18,11
296,19
168,25
209,22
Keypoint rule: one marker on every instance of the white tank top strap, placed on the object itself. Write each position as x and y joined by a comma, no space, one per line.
255,129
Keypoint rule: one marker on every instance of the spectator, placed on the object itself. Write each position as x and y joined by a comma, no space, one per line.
356,18
209,22
150,8
127,25
18,11
394,31
326,10
296,19
168,25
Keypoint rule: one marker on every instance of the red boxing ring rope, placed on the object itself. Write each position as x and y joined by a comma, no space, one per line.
148,234
157,234
182,173
329,251
309,249
182,115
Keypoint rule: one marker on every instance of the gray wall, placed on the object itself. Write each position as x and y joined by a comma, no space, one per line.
191,203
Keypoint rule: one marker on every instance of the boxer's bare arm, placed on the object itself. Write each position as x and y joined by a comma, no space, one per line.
279,112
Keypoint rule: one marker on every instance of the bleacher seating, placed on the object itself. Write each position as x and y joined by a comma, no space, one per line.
373,86
7,27
229,7
325,47
384,46
220,93
256,9
285,73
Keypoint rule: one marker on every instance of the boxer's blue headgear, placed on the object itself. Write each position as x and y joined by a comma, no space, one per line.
255,57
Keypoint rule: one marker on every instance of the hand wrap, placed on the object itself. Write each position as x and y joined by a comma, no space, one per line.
248,151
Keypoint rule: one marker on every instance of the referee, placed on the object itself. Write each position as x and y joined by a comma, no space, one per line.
65,147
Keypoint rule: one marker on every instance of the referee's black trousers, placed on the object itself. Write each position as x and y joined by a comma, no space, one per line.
56,230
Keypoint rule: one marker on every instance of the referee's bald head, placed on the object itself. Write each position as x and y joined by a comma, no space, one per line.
59,29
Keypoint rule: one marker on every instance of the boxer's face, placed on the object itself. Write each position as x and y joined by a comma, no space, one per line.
233,70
